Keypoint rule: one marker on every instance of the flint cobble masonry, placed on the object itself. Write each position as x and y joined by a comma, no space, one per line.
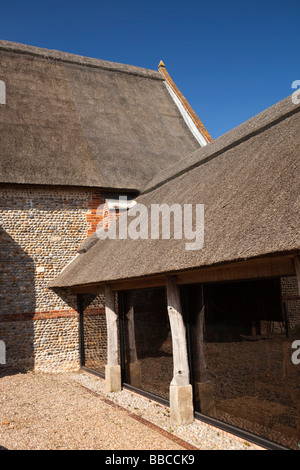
41,230
47,345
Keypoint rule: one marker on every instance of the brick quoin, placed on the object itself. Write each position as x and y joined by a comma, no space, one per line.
94,217
99,212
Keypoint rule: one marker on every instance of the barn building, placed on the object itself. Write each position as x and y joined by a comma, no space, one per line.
206,316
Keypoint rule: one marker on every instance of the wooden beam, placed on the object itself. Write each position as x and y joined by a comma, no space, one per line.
242,270
129,284
88,289
297,269
278,266
112,328
181,372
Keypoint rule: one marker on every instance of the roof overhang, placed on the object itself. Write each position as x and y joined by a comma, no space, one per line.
258,268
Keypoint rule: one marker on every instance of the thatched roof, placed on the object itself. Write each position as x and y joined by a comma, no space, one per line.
72,120
249,182
246,130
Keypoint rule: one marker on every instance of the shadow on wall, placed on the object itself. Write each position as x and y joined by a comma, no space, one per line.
17,304
69,299
94,329
27,343
89,300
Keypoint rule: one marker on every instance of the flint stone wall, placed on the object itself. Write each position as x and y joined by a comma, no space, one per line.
41,230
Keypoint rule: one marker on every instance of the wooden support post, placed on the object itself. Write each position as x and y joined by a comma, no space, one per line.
133,367
112,330
203,388
297,268
200,367
132,354
181,395
181,372
112,369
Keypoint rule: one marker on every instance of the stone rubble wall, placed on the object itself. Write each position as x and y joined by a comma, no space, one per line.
41,230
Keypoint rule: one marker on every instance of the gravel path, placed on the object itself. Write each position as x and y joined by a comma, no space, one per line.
197,434
72,411
41,411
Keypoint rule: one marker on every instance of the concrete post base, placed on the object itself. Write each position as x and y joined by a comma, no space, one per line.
204,398
181,404
113,378
133,370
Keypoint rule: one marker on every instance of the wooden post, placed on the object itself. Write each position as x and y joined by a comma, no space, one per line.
131,354
181,393
112,330
112,369
203,388
297,268
181,372
200,367
133,367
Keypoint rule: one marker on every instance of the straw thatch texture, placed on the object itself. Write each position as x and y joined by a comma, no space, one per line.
251,193
255,125
77,121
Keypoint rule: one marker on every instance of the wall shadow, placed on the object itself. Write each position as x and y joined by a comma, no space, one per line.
69,299
17,305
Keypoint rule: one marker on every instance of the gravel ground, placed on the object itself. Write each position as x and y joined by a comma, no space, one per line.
72,411
199,435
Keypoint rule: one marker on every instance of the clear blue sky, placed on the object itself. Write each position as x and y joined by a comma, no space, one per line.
231,59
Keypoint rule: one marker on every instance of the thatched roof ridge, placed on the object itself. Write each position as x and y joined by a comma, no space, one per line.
251,197
69,58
